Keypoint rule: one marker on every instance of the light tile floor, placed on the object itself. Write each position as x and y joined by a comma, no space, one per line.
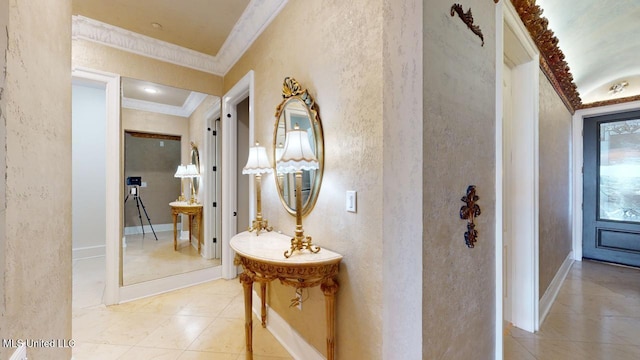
200,322
147,258
596,316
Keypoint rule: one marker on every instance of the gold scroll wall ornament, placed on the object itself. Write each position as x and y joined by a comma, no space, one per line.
469,212
467,18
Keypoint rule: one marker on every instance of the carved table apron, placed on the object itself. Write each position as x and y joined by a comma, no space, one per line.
262,258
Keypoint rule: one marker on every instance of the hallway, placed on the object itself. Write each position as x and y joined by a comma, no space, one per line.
596,316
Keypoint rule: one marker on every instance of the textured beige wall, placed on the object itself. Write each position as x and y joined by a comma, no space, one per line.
36,104
459,150
100,57
4,24
334,49
555,183
402,180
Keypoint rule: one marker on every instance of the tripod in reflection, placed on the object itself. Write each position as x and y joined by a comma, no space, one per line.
133,190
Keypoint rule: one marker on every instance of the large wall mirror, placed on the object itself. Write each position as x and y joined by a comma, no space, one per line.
159,123
298,109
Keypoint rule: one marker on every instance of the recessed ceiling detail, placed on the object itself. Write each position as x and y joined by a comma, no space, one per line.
255,18
551,57
193,101
618,87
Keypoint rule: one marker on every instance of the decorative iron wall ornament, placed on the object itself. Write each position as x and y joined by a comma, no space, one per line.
551,57
469,212
467,18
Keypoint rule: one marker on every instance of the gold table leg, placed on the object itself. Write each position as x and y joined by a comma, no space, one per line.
263,298
190,218
200,238
175,231
247,284
330,288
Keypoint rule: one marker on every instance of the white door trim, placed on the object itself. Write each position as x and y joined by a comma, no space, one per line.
578,161
499,343
239,92
207,178
113,191
523,194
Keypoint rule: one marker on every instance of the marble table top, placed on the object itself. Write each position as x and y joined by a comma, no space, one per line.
270,247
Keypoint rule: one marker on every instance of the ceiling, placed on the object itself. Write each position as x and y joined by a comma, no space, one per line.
148,96
199,25
206,35
600,39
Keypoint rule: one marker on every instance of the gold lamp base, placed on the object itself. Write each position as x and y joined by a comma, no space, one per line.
258,224
301,242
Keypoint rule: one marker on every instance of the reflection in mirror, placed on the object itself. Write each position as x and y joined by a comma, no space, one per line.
156,121
195,160
298,108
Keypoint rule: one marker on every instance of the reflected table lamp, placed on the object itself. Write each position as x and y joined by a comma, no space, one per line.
258,164
296,157
180,173
192,172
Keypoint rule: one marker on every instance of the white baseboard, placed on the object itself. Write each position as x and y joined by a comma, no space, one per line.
552,291
170,283
88,252
133,230
290,339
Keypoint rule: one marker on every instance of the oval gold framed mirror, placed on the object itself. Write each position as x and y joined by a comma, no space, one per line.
298,108
195,160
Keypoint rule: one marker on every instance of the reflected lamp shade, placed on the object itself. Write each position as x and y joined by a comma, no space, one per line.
191,171
258,162
181,171
297,154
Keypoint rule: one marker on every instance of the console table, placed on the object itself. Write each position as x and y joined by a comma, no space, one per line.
262,258
191,210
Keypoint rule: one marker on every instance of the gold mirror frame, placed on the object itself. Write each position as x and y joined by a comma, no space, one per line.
293,92
195,159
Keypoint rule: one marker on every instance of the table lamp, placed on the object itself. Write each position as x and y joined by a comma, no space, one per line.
192,172
180,172
258,164
296,157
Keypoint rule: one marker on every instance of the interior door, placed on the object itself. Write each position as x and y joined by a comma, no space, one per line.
611,215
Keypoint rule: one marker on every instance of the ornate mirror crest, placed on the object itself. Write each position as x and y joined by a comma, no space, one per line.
298,108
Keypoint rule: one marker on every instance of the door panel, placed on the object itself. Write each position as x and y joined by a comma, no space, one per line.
611,230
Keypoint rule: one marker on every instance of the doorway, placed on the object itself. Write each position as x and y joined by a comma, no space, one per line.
611,214
520,177
88,192
231,160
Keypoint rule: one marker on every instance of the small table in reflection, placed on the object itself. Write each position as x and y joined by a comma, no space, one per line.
262,258
191,210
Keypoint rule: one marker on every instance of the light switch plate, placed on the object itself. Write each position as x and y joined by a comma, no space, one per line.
351,201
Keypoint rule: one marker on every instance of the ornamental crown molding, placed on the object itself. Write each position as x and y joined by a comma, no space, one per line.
552,60
256,17
611,102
